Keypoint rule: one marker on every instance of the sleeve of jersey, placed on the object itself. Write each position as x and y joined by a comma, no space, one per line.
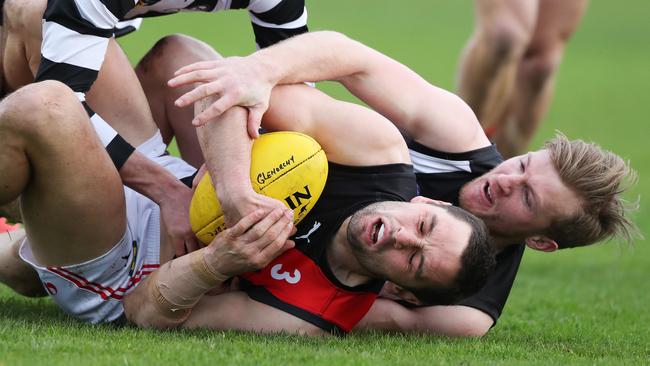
75,37
493,296
276,20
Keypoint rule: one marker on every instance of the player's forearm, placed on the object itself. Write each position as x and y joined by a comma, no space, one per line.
371,76
148,178
226,147
137,171
312,56
387,315
453,321
450,321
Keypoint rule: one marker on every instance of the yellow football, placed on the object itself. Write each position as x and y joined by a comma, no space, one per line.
288,166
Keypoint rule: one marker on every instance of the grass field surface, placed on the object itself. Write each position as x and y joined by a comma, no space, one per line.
584,306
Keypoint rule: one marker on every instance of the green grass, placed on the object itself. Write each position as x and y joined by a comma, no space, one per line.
584,306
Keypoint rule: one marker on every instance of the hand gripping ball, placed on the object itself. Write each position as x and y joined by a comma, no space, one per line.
288,166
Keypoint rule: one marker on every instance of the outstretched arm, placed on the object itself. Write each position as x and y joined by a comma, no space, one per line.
235,310
432,116
451,321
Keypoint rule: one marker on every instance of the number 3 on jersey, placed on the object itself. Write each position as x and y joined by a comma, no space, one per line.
277,275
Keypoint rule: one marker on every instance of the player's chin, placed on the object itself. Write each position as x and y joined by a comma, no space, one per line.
356,241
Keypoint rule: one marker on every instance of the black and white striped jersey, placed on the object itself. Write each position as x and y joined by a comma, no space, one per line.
76,33
127,26
440,176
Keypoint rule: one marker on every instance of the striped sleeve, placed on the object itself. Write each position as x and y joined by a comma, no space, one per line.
127,26
75,38
275,20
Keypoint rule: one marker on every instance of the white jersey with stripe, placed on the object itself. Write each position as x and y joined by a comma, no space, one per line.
76,33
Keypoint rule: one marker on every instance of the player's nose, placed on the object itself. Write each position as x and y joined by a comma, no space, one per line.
505,183
406,239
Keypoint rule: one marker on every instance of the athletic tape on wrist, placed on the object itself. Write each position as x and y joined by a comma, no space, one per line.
161,302
181,283
204,270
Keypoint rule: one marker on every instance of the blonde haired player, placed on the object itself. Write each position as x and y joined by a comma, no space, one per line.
567,194
95,243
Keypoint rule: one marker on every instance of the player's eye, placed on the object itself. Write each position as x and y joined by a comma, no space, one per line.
422,227
412,256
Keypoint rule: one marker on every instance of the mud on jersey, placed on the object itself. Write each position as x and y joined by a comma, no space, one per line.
300,281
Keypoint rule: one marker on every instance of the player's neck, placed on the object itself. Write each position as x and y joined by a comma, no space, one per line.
502,242
343,262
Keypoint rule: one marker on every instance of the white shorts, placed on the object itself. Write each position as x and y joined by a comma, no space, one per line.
92,291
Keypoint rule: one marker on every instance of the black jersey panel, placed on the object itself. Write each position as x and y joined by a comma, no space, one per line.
491,299
347,190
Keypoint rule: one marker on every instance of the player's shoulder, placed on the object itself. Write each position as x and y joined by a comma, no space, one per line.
427,160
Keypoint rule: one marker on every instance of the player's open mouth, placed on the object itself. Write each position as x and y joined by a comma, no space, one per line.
487,192
377,232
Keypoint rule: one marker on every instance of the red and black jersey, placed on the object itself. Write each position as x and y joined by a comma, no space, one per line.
300,281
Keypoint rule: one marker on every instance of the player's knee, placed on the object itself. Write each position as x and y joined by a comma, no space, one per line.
20,15
172,52
540,64
34,107
14,13
504,46
182,44
504,40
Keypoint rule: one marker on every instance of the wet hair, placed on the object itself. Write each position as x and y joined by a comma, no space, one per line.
476,263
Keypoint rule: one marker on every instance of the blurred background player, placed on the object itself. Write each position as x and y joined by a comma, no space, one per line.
507,70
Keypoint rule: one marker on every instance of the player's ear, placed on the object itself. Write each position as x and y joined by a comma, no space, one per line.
422,199
541,243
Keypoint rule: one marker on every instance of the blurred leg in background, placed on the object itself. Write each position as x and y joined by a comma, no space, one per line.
508,67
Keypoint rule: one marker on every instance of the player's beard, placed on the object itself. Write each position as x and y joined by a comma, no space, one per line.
365,256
